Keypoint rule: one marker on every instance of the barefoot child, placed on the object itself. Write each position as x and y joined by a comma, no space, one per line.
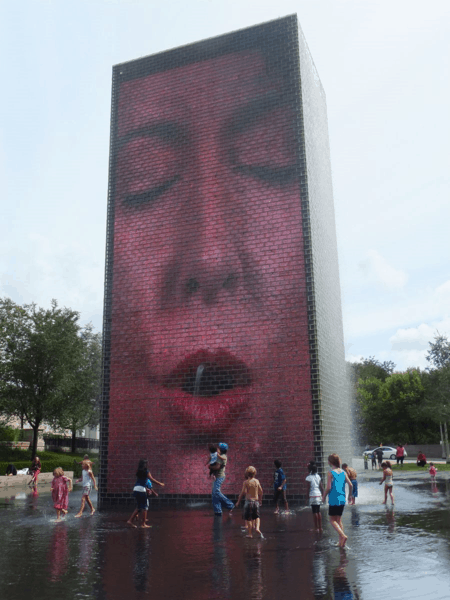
279,486
34,470
352,475
336,480
88,479
387,478
61,486
432,471
141,491
253,493
374,460
315,494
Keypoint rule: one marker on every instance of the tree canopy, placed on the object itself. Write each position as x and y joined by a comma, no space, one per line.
404,407
43,362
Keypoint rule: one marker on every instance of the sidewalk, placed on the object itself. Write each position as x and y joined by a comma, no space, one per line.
358,464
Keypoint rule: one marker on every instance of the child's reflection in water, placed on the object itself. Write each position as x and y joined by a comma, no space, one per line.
58,553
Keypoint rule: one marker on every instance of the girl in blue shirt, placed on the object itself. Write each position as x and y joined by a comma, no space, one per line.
336,480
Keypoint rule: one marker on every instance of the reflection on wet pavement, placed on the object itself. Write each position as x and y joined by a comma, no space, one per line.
399,552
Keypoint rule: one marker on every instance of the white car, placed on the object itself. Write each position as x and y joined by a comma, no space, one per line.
388,452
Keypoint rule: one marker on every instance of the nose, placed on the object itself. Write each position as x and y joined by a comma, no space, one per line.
214,267
213,254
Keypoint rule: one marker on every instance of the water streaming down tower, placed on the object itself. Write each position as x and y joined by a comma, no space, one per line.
222,300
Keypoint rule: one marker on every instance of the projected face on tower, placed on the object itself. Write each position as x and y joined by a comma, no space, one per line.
209,327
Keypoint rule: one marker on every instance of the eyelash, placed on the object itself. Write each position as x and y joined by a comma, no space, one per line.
278,176
149,196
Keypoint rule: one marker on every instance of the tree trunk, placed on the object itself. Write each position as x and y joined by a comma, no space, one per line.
35,441
74,441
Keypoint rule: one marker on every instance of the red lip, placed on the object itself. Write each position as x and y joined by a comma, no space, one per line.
211,396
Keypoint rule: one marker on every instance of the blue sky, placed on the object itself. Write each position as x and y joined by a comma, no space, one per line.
384,67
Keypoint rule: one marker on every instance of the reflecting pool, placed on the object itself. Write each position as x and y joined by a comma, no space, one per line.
399,553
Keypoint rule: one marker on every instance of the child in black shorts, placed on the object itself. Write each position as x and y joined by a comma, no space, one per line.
253,493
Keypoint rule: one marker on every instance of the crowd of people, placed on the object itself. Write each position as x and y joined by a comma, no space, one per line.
339,475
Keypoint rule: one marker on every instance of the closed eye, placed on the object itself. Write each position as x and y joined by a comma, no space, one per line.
278,176
149,196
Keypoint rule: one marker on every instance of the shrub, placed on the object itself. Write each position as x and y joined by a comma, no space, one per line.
49,463
9,434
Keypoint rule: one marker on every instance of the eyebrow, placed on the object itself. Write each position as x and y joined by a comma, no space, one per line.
247,115
165,130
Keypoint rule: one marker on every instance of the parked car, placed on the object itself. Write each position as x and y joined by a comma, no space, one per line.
388,452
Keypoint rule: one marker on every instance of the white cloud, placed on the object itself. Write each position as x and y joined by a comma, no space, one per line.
354,358
41,269
378,270
412,338
425,306
410,346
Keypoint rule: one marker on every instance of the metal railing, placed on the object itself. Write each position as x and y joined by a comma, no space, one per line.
80,442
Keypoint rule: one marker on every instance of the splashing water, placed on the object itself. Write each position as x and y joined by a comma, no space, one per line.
198,379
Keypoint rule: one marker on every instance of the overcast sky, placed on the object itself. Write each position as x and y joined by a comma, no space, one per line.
384,65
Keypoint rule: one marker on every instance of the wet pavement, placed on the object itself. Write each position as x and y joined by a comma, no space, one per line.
399,553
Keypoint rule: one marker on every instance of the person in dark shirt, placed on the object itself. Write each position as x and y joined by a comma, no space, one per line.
279,486
379,453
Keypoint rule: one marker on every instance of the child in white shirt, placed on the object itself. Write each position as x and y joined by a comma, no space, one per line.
315,494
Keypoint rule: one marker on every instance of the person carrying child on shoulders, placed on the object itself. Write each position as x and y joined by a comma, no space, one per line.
214,456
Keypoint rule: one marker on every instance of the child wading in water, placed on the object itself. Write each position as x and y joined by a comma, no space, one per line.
88,479
35,469
387,478
142,489
336,480
432,471
315,494
61,486
279,486
352,475
253,493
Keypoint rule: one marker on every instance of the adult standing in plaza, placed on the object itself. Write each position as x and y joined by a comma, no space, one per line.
400,454
219,500
379,455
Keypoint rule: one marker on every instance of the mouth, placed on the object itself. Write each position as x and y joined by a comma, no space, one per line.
207,374
209,389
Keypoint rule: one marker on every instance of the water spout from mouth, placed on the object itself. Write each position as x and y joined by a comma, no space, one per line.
198,379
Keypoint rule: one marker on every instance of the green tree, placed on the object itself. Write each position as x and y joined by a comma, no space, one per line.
396,409
371,367
82,392
39,349
439,353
